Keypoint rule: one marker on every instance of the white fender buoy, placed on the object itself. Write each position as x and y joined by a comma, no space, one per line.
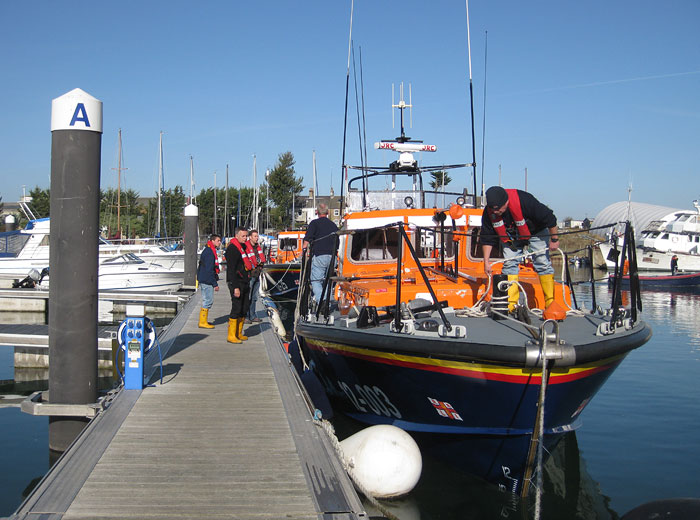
276,322
384,459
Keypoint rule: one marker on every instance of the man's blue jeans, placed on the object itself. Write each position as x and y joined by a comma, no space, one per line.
319,268
541,261
254,291
207,295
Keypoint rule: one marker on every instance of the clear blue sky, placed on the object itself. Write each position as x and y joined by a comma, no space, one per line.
587,96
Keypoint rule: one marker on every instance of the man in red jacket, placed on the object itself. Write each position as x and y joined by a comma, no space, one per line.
521,224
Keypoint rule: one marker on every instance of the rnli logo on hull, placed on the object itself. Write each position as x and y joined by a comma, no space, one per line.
445,409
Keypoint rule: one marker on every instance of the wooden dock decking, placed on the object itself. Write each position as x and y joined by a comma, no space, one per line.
226,435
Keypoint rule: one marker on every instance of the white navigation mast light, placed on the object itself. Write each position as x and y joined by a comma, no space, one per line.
405,147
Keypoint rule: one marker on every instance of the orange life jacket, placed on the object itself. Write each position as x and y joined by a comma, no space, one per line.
517,213
246,259
255,253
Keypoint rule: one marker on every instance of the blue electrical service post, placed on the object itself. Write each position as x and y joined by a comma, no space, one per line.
134,337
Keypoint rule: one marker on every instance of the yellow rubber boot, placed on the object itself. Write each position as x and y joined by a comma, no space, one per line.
547,283
513,292
241,321
203,323
233,331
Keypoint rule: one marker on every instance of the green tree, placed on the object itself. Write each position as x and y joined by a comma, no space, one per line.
41,201
284,188
440,179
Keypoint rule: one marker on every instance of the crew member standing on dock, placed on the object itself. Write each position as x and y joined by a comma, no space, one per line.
257,258
207,276
521,223
238,267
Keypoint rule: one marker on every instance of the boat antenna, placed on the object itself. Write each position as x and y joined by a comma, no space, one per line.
359,132
483,129
471,99
362,92
345,123
402,106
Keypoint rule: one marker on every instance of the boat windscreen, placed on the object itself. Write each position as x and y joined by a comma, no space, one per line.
374,244
12,242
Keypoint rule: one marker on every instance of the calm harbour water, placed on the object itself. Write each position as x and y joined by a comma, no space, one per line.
638,440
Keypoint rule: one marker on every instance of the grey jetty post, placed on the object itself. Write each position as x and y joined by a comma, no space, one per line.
191,239
76,141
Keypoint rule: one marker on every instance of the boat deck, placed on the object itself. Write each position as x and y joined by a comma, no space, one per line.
227,434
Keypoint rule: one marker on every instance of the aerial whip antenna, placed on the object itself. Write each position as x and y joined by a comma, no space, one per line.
471,99
483,130
345,123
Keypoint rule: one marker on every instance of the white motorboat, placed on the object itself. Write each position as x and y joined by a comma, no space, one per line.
677,233
130,273
26,249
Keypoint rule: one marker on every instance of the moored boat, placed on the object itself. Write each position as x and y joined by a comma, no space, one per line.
26,249
674,233
129,273
687,282
410,331
280,280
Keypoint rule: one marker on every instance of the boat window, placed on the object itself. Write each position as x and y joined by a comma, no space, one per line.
475,251
374,244
683,218
664,236
127,258
287,244
12,242
428,243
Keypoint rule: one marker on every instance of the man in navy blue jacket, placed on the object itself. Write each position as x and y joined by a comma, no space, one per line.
208,276
321,235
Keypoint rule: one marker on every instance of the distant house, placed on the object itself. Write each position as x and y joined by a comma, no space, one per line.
570,223
307,212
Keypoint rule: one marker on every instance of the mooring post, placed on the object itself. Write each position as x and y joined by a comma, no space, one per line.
191,239
10,223
76,140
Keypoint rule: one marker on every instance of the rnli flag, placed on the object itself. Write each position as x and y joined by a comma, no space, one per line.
445,409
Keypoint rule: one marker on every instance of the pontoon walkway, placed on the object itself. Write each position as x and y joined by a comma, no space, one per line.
226,435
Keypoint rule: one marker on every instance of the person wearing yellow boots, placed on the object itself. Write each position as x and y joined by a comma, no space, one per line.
208,276
238,268
520,223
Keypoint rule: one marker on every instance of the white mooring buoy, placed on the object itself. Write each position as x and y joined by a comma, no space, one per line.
385,460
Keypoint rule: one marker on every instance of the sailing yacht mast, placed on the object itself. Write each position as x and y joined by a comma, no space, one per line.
119,184
226,223
215,215
160,183
255,193
191,179
315,182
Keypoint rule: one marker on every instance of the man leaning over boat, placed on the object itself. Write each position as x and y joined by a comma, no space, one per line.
523,225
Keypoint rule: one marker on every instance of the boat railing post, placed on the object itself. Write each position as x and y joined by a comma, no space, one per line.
399,268
590,261
436,304
635,292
